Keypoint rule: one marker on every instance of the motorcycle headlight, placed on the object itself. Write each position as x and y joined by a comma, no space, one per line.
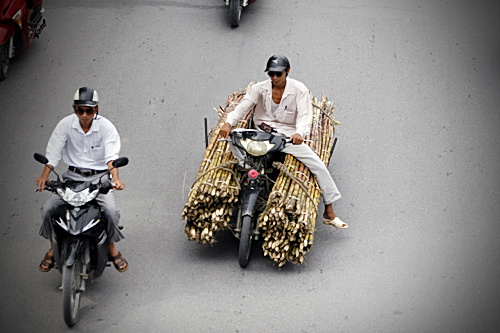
257,148
77,199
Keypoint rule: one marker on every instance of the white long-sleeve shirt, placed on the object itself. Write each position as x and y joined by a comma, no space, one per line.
91,150
293,115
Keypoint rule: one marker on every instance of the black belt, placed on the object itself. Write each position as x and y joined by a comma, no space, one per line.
85,172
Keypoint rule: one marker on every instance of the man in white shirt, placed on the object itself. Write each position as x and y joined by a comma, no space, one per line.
285,105
89,143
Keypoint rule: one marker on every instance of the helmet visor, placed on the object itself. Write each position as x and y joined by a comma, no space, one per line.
85,103
275,68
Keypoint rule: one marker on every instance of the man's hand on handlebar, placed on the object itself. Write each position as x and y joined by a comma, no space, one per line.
118,184
225,130
296,139
40,182
44,178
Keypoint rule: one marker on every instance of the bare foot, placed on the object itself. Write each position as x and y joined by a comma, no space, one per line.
329,213
332,219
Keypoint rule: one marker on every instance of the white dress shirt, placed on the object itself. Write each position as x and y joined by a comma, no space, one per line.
294,112
91,150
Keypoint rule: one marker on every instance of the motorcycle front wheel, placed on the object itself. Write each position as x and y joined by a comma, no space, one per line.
245,241
4,60
72,283
234,13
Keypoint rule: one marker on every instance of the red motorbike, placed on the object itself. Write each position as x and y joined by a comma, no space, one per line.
21,21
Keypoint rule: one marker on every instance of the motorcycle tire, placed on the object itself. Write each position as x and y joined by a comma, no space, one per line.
245,241
235,13
4,60
72,283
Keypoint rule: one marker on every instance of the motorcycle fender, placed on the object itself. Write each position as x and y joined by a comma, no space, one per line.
86,253
6,31
58,256
249,202
73,249
102,260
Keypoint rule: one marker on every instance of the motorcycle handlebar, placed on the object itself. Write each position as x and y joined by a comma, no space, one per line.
54,184
230,135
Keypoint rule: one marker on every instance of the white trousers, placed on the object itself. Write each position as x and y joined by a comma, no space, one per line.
306,155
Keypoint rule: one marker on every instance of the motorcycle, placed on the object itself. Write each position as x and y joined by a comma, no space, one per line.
17,30
79,236
261,150
235,7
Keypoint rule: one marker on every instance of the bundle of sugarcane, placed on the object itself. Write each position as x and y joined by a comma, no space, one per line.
289,219
216,188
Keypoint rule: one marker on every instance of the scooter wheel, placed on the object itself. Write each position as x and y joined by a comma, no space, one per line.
72,283
235,13
245,241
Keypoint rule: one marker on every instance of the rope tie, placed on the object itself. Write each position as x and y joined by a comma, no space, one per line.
324,112
314,185
303,174
281,167
222,166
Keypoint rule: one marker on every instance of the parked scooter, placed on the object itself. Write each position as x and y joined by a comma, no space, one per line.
261,149
235,7
17,30
79,236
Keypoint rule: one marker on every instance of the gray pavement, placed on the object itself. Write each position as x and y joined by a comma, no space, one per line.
416,85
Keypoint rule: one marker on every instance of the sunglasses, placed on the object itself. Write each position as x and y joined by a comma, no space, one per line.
81,111
278,74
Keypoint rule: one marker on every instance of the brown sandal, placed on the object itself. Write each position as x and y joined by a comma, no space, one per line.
121,261
47,263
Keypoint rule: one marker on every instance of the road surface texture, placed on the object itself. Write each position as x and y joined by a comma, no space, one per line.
416,86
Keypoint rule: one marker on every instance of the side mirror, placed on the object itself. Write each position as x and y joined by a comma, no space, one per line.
40,158
120,162
44,160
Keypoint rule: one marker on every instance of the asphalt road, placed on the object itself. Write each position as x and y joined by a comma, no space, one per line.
416,86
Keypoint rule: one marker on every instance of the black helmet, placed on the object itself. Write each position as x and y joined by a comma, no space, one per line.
86,97
277,63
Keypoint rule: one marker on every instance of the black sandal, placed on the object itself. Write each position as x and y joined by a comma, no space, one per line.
47,263
121,261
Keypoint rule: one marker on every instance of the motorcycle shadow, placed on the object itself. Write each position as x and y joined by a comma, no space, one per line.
225,249
94,298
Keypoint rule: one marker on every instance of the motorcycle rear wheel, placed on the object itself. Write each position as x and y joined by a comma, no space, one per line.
245,241
235,13
4,60
72,283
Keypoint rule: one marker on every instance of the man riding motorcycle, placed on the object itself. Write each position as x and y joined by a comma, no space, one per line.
285,105
89,143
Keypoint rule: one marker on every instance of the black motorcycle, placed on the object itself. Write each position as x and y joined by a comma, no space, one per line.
235,7
261,150
79,236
